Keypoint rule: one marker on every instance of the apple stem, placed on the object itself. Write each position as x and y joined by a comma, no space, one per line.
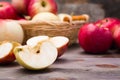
43,3
1,5
20,49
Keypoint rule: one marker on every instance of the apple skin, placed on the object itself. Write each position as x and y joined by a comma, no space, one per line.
62,50
36,6
94,39
7,11
61,43
10,57
20,6
11,30
45,16
110,23
116,37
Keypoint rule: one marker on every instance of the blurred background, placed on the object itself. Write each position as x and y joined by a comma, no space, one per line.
97,9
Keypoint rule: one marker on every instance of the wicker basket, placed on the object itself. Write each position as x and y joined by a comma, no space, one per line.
51,29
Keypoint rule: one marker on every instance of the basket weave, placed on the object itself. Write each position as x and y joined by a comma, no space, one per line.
51,29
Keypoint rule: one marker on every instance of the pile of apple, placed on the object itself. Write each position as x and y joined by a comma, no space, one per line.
18,9
100,36
38,53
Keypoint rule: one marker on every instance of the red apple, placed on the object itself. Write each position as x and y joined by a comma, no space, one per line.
20,5
37,6
94,39
7,11
110,23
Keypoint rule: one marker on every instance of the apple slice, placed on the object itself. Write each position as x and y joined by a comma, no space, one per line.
61,44
41,56
6,51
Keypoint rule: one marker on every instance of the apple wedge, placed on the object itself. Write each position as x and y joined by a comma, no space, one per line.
41,56
61,43
6,51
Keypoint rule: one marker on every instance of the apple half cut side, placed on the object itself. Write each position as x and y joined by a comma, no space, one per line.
32,42
33,59
61,44
6,51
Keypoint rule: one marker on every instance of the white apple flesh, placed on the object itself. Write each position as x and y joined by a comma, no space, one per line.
11,31
33,59
32,42
60,42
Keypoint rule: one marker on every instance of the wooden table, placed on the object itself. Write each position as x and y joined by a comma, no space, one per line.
75,64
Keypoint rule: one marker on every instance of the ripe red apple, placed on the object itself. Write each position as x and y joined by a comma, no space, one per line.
110,23
37,6
94,39
20,6
7,11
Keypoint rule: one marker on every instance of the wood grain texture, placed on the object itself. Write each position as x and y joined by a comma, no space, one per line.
75,64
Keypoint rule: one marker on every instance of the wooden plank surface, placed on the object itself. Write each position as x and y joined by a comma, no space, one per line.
75,64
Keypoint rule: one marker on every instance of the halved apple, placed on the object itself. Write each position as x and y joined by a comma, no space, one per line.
60,42
39,57
6,51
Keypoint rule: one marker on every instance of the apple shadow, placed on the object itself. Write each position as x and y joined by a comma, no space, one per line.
89,54
61,60
26,71
73,46
13,64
